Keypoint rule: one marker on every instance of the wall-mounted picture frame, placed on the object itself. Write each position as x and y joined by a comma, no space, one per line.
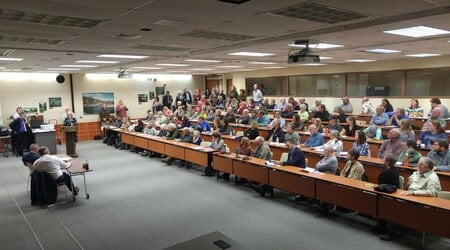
142,98
30,110
93,102
42,107
151,95
54,102
159,90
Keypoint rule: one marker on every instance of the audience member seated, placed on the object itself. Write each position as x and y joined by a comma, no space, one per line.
329,163
435,116
440,154
297,122
230,115
244,149
366,108
294,103
282,104
397,117
334,142
392,145
202,125
161,119
276,134
288,111
301,101
30,157
172,132
272,104
339,113
281,121
262,119
434,132
140,126
380,118
414,110
423,182
291,134
406,131
346,106
436,103
390,175
334,124
186,137
262,150
54,166
353,168
318,123
387,105
316,106
225,128
373,132
253,131
351,127
361,144
304,115
196,138
411,150
315,139
245,117
322,113
217,144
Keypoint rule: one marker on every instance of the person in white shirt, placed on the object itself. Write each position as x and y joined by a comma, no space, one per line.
367,108
54,167
257,95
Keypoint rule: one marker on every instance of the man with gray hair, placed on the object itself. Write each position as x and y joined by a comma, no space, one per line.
32,156
53,166
316,107
291,134
262,150
393,145
329,163
366,108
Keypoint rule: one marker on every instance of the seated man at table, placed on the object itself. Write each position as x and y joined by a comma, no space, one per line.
380,118
280,119
172,132
33,155
440,154
329,163
262,119
346,105
288,111
262,150
186,137
423,182
435,116
395,119
202,125
295,158
276,134
393,145
322,113
53,166
334,124
291,134
230,115
315,139
245,117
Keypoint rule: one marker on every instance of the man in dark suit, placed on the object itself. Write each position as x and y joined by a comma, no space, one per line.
187,96
276,134
167,100
296,157
32,156
22,133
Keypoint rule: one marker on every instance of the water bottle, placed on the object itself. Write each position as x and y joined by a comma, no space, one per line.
405,161
237,152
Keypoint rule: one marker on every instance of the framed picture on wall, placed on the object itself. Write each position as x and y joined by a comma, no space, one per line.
30,110
142,98
93,102
42,107
151,95
159,90
54,102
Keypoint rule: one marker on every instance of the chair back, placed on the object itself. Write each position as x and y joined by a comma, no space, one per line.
205,143
284,157
444,195
401,181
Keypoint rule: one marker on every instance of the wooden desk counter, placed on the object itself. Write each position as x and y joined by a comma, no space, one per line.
127,138
252,169
141,141
293,180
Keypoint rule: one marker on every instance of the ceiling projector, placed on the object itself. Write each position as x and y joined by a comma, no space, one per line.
302,56
124,74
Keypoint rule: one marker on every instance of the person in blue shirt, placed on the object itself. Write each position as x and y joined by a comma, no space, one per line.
395,119
262,119
434,132
380,118
202,125
315,139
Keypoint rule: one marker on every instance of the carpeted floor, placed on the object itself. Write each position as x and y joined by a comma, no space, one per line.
140,203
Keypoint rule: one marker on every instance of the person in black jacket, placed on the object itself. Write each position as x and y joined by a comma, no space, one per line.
276,134
322,113
32,156
167,100
390,175
253,131
296,157
22,134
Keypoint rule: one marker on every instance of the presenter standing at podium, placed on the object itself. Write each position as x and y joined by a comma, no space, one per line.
70,128
70,119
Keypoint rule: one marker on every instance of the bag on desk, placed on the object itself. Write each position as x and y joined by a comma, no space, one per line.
386,188
4,131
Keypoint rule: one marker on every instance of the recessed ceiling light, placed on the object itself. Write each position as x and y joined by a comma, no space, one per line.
64,69
383,51
312,64
273,67
318,46
326,58
417,31
10,59
172,64
262,63
201,60
77,66
360,60
250,54
145,68
201,69
94,61
123,56
178,71
424,55
229,66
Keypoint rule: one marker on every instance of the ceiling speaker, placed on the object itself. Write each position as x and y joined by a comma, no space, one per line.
60,79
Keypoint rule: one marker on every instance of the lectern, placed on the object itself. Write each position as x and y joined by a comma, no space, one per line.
71,134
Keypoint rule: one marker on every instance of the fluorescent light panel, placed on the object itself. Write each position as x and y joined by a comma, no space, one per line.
273,67
383,51
173,64
269,63
64,69
318,46
202,60
249,54
94,61
423,55
145,68
326,58
10,59
417,31
202,69
313,64
360,60
122,56
229,66
77,66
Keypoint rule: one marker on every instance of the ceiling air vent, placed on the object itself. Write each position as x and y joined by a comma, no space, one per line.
30,40
126,36
319,13
216,35
161,48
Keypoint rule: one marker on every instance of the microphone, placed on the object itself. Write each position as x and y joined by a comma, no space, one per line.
237,152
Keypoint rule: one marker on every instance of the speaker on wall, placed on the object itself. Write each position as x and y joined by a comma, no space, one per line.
60,79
